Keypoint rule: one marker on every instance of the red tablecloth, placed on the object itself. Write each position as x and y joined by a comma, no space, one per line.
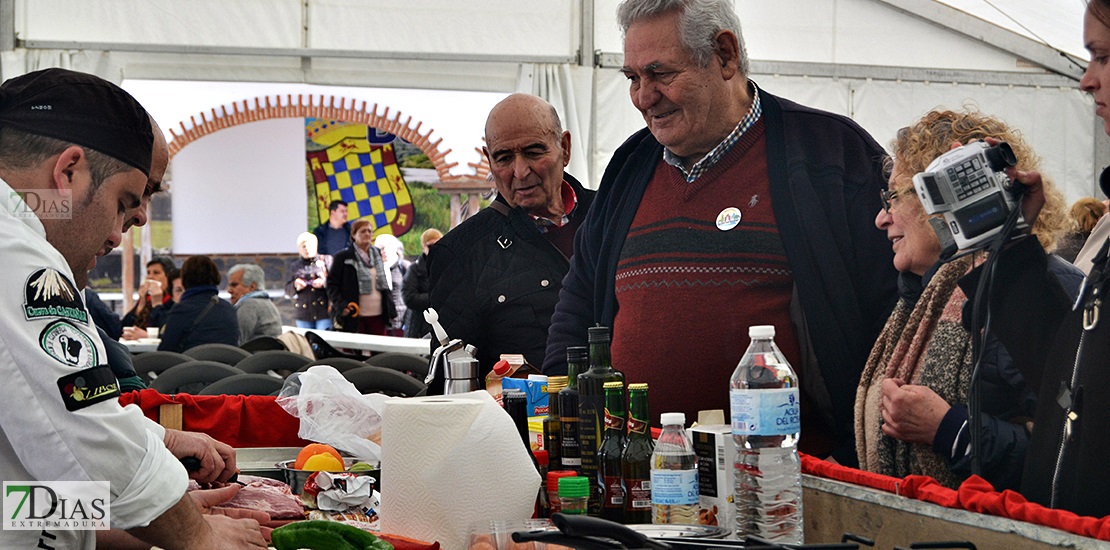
975,494
238,420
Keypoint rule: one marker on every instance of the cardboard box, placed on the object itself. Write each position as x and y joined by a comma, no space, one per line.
534,390
716,454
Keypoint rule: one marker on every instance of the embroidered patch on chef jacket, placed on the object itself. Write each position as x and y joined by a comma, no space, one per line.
63,341
88,387
48,293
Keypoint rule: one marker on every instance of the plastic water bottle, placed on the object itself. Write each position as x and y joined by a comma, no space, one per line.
765,428
674,474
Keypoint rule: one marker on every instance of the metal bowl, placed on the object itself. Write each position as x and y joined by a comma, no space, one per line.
296,478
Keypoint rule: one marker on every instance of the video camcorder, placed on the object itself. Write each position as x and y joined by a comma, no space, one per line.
969,187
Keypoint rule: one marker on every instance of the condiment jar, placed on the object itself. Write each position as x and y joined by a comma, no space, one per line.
573,494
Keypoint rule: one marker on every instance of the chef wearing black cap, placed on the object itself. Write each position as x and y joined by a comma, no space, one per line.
75,158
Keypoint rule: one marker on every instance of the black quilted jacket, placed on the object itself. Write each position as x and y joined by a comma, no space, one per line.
495,280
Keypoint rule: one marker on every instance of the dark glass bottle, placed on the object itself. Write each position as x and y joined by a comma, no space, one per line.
516,404
568,409
636,458
552,433
591,409
609,455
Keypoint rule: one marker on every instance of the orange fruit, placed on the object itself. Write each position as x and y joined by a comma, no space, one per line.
323,462
314,449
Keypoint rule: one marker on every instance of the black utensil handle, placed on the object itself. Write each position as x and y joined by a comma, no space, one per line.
192,464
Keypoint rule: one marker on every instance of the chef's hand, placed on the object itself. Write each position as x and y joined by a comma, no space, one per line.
911,413
234,533
217,460
319,282
299,284
209,501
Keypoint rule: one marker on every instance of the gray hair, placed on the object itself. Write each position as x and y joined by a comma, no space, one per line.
252,274
698,24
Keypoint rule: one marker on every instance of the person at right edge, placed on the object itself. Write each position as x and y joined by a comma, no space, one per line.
911,412
1061,351
733,207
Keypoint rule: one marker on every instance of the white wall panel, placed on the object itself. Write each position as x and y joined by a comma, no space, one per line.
445,26
241,190
245,23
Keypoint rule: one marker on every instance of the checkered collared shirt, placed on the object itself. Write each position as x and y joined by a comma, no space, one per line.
570,201
719,151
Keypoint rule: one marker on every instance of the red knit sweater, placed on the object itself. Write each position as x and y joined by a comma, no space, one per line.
689,287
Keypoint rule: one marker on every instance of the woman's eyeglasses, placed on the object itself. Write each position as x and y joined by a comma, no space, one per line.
888,197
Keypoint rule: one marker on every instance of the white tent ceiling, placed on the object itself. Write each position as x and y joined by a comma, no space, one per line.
881,62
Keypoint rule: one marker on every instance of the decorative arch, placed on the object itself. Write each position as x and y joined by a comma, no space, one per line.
265,108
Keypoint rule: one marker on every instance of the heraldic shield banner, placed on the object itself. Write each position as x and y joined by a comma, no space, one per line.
357,164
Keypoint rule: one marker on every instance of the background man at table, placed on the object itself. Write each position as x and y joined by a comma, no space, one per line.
80,141
732,208
257,314
495,278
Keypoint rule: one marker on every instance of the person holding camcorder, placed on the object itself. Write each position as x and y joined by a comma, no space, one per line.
911,416
1060,345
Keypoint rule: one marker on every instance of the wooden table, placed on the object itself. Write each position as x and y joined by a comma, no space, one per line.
832,507
141,345
372,342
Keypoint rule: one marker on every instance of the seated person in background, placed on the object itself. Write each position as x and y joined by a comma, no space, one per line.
308,279
359,286
178,288
416,288
393,255
1084,213
910,416
154,297
201,317
103,317
333,235
257,314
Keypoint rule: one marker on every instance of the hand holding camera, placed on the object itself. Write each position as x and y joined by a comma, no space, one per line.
969,187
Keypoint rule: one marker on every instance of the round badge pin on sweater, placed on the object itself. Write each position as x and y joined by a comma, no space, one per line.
728,218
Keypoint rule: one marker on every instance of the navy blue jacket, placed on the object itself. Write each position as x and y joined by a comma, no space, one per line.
1061,352
219,325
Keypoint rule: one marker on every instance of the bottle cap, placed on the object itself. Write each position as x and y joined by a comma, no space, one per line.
578,354
541,457
556,383
597,335
501,368
673,419
761,331
554,476
638,386
613,386
574,487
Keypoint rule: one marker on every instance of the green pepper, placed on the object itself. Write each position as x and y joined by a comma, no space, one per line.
325,535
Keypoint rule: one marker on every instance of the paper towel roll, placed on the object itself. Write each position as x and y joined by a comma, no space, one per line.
452,463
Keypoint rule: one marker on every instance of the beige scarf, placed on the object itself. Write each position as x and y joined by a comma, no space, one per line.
923,344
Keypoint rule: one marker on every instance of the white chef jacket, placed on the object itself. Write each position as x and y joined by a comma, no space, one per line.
39,438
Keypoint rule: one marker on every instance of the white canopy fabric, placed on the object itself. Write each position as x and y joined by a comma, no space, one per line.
881,62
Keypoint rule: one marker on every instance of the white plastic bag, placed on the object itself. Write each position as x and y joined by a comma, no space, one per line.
332,411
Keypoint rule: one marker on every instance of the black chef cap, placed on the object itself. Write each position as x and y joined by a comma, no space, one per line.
79,108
